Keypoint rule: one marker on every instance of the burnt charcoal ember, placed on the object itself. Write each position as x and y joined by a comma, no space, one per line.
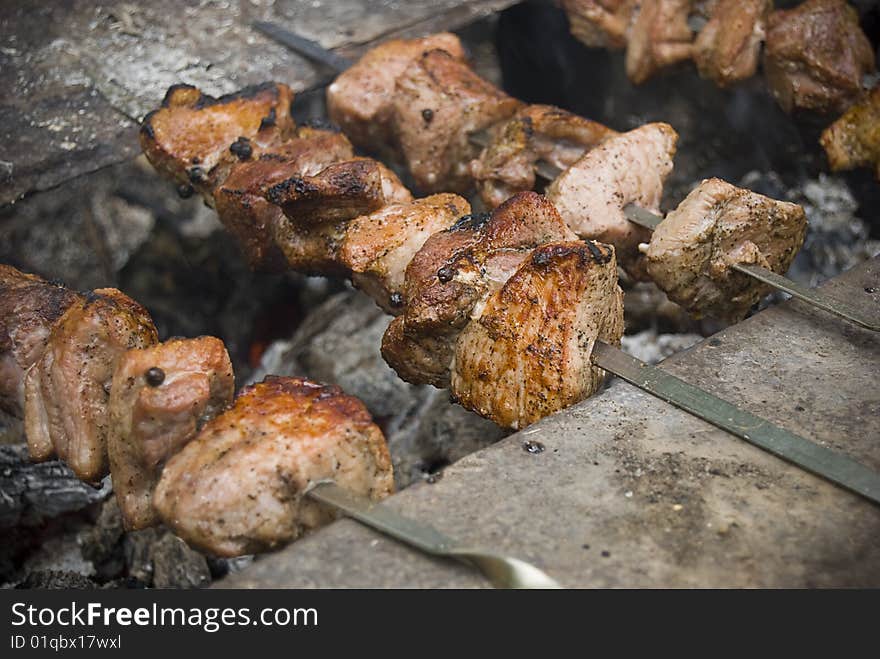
56,580
33,494
338,343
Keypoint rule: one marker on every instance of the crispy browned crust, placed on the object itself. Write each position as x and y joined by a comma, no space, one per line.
528,354
816,55
854,139
188,139
238,487
446,279
160,397
240,201
29,308
67,390
600,23
339,192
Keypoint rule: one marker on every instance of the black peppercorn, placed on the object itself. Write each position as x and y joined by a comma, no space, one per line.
241,148
196,174
428,115
185,191
154,376
445,274
396,300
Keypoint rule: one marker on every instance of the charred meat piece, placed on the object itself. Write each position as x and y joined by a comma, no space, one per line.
659,37
237,488
240,202
359,100
454,273
378,247
160,397
438,102
854,139
340,191
628,168
67,391
318,216
194,139
718,224
29,308
727,48
527,354
537,132
816,55
600,23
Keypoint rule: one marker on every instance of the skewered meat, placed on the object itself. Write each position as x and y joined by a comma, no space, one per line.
159,399
537,132
311,234
359,100
67,390
438,101
816,55
527,354
854,139
718,224
726,49
240,202
238,486
338,192
627,168
659,37
450,278
193,138
600,23
377,248
29,308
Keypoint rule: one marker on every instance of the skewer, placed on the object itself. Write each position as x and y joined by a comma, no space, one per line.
834,466
502,571
315,52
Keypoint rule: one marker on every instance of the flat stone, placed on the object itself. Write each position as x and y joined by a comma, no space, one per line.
631,492
79,77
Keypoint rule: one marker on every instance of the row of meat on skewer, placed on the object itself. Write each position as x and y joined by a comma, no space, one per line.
503,308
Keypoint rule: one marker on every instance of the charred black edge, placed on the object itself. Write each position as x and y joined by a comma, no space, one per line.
470,222
321,123
545,254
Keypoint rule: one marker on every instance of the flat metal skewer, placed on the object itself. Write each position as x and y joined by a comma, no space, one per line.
502,571
808,455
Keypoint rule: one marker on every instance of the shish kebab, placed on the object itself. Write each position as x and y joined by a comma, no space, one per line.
506,308
658,259
95,388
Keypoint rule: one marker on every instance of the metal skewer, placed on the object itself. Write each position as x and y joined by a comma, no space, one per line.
502,571
808,455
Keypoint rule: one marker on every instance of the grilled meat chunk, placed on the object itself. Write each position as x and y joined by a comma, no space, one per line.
240,202
527,354
627,168
816,55
659,37
727,48
29,308
438,102
68,389
338,192
237,488
718,224
854,139
537,132
377,248
600,23
359,100
192,138
319,214
453,274
160,397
